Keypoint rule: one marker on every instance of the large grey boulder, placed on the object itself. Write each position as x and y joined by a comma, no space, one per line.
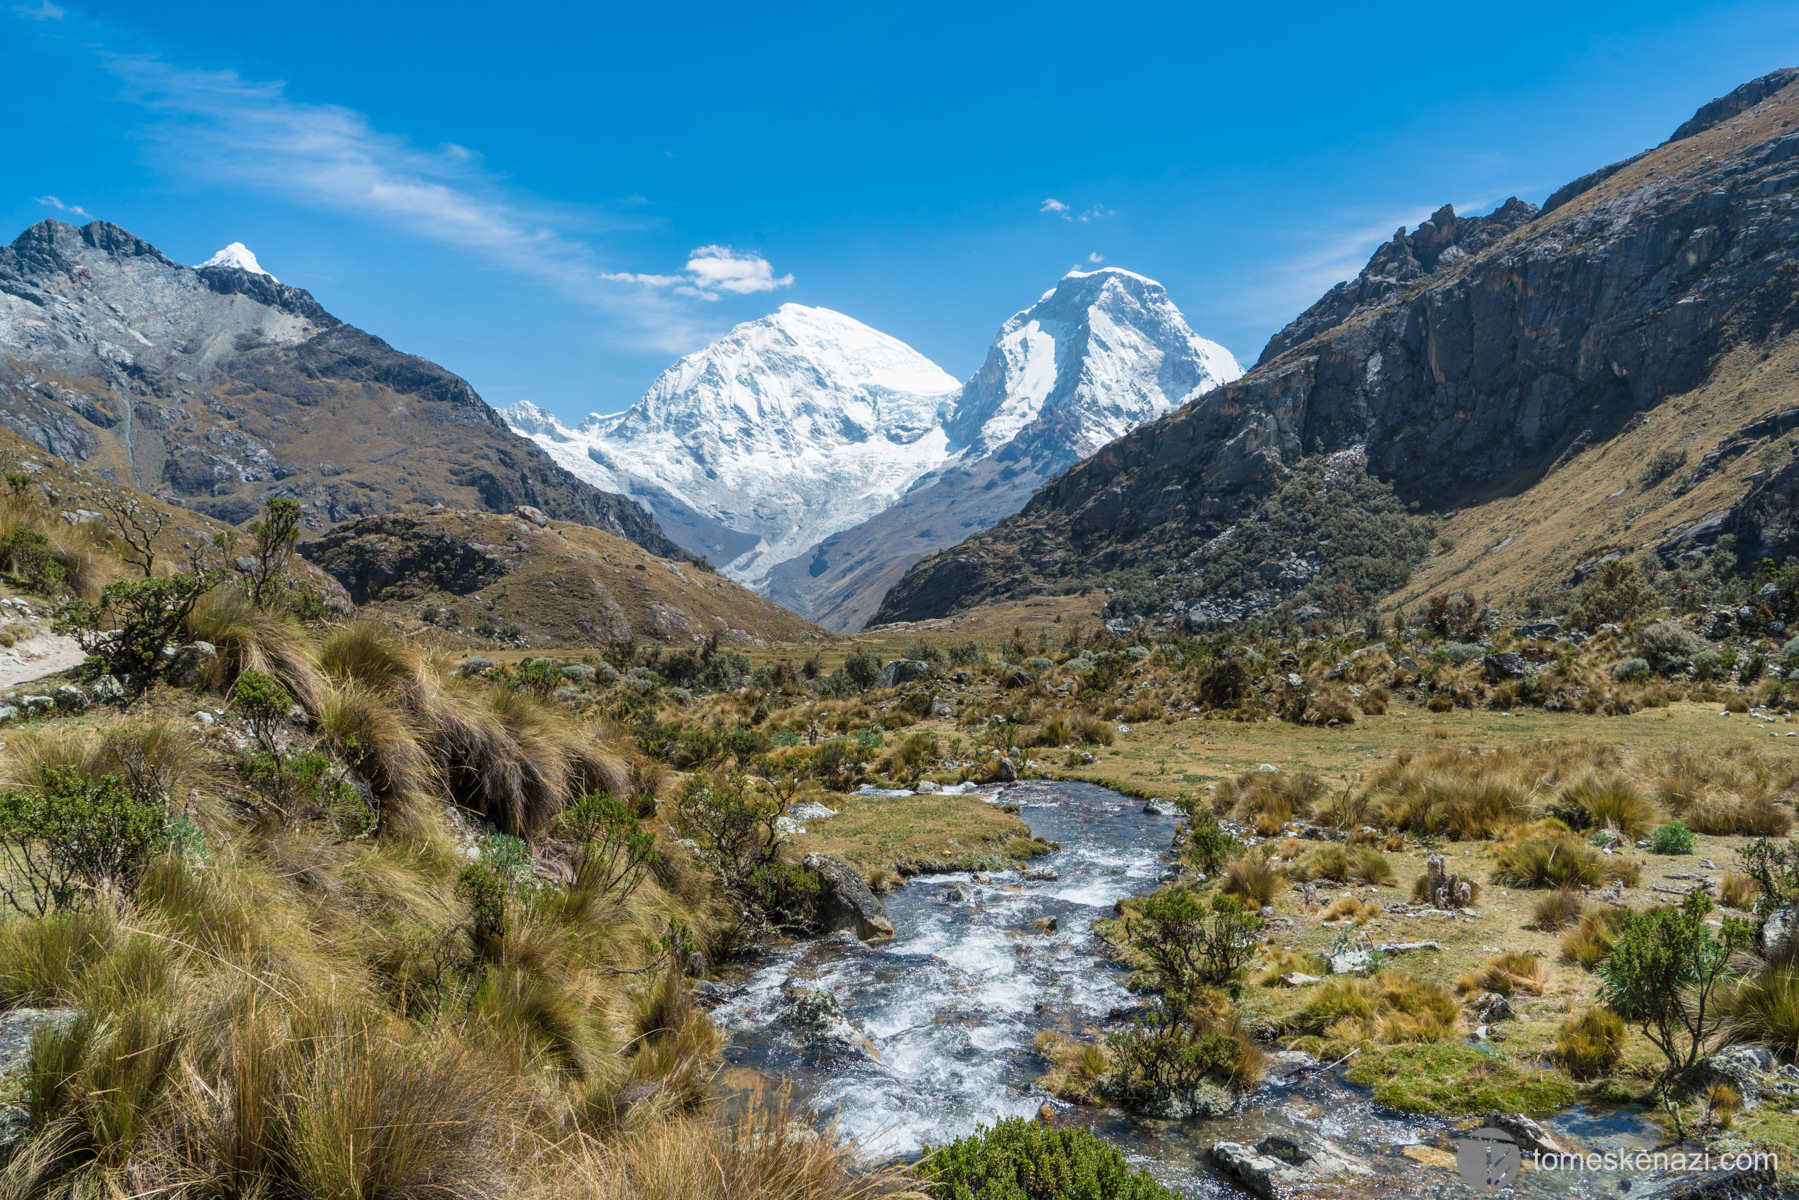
1282,1165
192,664
845,901
902,670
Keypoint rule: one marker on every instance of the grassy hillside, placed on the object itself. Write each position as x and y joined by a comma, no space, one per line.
478,579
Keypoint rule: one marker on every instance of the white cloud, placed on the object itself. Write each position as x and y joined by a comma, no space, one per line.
45,11
1056,207
1095,213
218,127
1096,258
722,269
53,202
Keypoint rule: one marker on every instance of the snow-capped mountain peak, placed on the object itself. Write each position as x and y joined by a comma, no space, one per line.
1099,354
238,255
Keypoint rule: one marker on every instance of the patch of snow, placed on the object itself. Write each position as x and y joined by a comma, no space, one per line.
237,255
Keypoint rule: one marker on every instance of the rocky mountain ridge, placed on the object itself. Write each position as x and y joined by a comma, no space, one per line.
217,386
1462,379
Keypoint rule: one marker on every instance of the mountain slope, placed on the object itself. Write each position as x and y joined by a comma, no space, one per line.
219,386
1471,380
481,578
785,430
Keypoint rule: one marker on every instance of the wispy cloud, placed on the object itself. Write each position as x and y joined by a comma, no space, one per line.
45,11
1095,257
218,127
1057,208
53,202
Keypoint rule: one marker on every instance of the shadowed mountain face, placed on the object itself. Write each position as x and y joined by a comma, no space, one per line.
1464,364
217,386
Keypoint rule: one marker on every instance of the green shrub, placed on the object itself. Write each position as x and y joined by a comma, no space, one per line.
1672,838
1020,1159
126,631
72,837
1186,943
31,559
536,677
1616,593
1630,669
733,827
1208,846
862,668
1661,464
1664,972
786,895
263,703
1668,647
1162,1059
1789,653
612,850
485,891
1754,666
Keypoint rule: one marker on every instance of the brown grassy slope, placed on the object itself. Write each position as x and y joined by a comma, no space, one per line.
461,572
1595,503
76,493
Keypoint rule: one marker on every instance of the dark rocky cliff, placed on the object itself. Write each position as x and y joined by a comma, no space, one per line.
1468,359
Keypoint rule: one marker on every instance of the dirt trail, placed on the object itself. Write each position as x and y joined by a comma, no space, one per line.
36,657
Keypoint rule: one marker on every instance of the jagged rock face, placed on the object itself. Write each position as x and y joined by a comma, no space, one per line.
1468,383
1438,244
219,386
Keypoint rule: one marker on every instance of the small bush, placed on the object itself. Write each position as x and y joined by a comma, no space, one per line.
1613,803
1738,891
1392,1007
1019,1159
1668,646
1508,974
1185,943
1673,838
1616,593
1589,1046
72,838
30,557
1630,670
1208,846
125,632
1588,943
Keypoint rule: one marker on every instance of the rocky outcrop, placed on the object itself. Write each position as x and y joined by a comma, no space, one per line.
1471,380
845,901
401,558
219,386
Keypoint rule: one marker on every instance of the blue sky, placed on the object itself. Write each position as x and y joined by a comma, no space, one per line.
557,201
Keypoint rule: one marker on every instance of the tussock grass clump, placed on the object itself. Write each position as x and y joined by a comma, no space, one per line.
1764,1010
1738,891
1541,862
1589,1046
1612,802
1268,800
1558,910
1253,878
1077,1068
1588,943
1287,962
1349,908
1391,1007
1508,974
1466,793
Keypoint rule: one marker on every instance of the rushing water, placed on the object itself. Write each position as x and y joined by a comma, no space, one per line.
952,1004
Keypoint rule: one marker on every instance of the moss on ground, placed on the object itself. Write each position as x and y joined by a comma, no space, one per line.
1454,1079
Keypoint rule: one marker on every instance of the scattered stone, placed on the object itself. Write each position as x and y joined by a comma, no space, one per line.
1268,768
1298,979
1004,771
204,717
844,900
810,811
531,513
70,698
1665,1183
942,708
8,714
1529,1135
36,706
1046,924
1161,808
955,894
1492,1007
816,1018
108,689
1041,875
788,827
926,787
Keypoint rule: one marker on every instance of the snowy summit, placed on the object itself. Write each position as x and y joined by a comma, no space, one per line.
237,255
